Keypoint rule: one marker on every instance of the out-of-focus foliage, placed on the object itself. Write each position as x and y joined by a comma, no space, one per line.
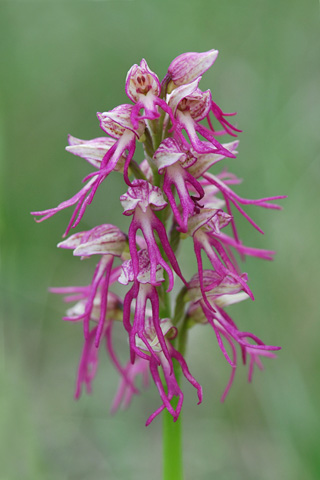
60,63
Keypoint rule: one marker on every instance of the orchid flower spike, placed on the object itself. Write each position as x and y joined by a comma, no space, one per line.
176,192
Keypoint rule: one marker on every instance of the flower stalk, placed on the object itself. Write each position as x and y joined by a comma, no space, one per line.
172,447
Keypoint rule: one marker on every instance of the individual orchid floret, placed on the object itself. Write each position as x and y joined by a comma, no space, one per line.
190,105
100,281
108,241
141,291
160,358
137,297
173,161
117,124
140,201
201,227
189,67
143,88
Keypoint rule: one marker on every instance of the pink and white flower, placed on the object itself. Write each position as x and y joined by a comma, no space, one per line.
173,161
160,359
201,227
138,296
118,125
143,88
108,241
141,200
190,105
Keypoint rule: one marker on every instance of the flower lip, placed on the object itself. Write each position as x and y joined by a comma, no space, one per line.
189,66
142,194
140,81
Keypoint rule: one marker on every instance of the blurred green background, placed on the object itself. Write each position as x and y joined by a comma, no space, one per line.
61,62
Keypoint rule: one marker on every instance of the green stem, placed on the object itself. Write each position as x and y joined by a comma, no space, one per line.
135,169
172,431
172,447
172,435
183,336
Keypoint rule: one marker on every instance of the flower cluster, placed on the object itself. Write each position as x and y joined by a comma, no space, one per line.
173,193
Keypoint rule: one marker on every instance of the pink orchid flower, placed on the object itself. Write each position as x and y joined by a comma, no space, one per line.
140,201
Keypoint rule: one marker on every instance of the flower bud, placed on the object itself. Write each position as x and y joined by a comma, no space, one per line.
191,65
